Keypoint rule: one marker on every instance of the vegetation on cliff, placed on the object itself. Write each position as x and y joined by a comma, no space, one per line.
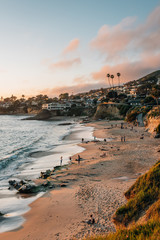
133,112
141,195
143,200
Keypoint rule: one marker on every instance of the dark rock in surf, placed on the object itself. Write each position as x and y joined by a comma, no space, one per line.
43,115
27,187
64,124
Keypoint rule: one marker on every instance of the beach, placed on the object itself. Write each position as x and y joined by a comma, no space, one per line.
95,186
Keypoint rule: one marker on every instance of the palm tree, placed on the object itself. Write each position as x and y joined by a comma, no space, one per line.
112,76
118,75
108,75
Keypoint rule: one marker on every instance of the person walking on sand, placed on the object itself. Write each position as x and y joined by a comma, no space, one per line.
61,160
124,138
79,158
82,140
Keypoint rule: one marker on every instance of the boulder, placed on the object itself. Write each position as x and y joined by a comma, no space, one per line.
27,186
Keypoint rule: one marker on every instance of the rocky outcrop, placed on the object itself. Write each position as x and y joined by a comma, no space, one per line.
152,120
27,186
108,110
43,115
152,124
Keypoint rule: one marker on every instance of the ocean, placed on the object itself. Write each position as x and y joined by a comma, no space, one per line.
21,141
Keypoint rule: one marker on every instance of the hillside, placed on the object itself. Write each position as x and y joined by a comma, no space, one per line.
142,211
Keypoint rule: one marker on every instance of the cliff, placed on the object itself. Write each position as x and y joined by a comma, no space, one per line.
152,120
109,110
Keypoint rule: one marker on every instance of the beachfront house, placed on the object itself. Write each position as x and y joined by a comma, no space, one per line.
55,106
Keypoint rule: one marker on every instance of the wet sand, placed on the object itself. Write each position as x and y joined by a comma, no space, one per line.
95,186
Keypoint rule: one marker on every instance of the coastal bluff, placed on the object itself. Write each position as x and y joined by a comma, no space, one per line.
110,110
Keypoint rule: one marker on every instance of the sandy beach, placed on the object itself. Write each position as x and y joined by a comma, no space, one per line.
95,186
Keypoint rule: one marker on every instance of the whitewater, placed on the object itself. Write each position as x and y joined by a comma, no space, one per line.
20,142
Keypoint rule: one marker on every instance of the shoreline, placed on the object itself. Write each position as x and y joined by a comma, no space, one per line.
43,160
96,186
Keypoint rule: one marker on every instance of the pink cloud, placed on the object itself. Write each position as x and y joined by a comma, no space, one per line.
129,38
113,40
72,46
65,63
129,70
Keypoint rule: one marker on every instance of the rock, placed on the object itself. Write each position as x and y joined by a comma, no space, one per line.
63,185
45,174
63,124
43,115
1,214
27,186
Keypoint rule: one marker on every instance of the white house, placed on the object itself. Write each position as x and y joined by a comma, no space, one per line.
54,106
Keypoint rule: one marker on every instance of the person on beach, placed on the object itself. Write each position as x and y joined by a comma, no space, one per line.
70,159
91,220
82,140
61,160
124,138
79,158
121,139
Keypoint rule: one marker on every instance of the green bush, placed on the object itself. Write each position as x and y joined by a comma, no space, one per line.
148,231
123,109
142,194
132,116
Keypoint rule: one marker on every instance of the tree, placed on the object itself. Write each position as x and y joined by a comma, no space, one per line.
13,98
149,99
118,75
122,96
112,94
112,76
63,96
108,75
95,101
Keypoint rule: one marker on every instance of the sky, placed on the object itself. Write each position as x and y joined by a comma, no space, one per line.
56,46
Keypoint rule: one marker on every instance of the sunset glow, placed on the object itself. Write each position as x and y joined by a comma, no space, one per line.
54,46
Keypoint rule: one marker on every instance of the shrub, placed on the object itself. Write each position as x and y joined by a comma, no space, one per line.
143,193
123,109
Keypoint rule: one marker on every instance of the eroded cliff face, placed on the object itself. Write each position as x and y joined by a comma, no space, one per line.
152,124
152,120
107,110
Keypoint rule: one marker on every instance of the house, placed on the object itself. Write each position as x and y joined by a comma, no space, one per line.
135,102
55,106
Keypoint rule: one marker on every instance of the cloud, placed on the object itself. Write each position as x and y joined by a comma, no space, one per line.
129,70
128,47
78,88
64,63
72,46
129,38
